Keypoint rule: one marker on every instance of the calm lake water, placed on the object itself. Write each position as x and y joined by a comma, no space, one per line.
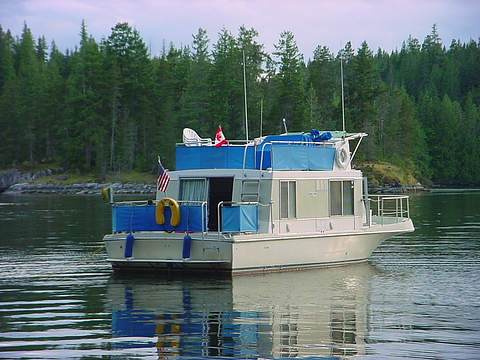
417,297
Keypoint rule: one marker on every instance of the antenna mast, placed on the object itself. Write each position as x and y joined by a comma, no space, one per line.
261,116
245,95
343,102
285,125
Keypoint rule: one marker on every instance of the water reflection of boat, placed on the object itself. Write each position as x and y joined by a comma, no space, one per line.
313,313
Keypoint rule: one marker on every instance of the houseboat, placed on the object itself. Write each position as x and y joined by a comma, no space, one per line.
279,202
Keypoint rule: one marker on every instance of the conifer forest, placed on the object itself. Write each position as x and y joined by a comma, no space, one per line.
108,105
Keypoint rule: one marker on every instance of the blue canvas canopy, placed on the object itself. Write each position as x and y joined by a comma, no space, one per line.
302,151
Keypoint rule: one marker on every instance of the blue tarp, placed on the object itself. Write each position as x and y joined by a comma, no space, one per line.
317,136
142,218
211,157
267,149
240,218
285,157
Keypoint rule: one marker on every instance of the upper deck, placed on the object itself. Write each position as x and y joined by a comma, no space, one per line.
300,151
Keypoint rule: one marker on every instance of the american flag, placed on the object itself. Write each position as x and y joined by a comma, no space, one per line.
163,179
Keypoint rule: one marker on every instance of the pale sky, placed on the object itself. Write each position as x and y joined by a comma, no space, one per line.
382,23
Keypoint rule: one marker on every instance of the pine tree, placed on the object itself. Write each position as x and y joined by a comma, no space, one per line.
324,92
227,86
346,56
7,71
254,59
443,149
171,74
196,100
28,81
54,102
8,100
83,127
469,154
292,100
126,51
365,89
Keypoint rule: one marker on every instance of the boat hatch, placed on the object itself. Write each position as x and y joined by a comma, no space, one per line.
220,189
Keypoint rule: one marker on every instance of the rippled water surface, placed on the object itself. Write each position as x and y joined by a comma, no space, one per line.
417,297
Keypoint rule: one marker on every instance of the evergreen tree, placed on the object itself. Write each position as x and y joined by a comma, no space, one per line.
469,154
41,49
83,122
8,101
7,71
324,93
126,51
170,74
196,101
346,56
29,83
444,149
291,102
54,103
365,89
254,59
227,87
401,139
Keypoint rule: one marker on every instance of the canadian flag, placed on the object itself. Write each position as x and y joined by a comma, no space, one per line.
219,137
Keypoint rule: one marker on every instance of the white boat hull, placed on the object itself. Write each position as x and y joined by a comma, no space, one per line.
249,253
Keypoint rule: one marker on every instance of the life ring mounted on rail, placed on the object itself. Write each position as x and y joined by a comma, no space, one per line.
174,207
342,157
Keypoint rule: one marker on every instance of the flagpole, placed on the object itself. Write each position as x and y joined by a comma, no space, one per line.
343,101
245,95
261,116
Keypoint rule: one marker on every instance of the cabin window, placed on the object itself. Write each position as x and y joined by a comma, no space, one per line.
192,190
288,199
341,197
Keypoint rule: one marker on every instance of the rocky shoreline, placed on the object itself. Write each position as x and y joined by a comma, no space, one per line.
17,182
80,189
397,189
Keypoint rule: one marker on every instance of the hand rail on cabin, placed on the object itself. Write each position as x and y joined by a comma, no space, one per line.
261,154
245,156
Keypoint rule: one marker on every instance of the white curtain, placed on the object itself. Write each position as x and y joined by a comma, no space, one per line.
192,190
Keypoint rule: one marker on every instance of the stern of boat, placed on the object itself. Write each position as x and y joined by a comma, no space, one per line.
159,250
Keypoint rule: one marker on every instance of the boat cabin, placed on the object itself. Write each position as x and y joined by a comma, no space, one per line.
278,184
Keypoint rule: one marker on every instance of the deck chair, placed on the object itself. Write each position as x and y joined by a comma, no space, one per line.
191,138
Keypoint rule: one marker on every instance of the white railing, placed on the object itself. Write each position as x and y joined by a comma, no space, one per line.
389,208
